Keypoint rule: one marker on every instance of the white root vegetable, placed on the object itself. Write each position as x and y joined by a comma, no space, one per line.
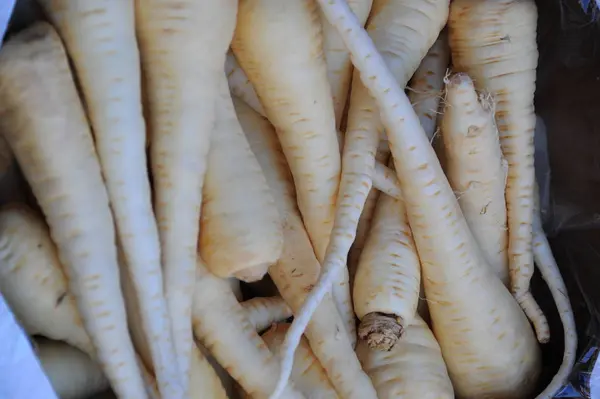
548,268
182,46
307,373
100,39
414,368
204,381
264,312
291,82
491,350
476,168
55,149
240,228
393,27
221,325
384,180
364,222
495,42
388,278
72,373
339,66
298,268
34,284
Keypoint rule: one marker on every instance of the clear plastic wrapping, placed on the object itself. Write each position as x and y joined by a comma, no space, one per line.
568,103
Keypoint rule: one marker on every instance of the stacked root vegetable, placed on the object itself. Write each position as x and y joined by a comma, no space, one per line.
175,149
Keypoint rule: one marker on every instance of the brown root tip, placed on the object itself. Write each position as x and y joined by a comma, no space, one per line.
380,330
252,274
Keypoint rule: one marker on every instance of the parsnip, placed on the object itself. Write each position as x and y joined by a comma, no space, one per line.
339,66
264,312
204,381
388,278
182,48
486,340
35,286
384,180
240,228
33,282
261,313
366,217
392,25
280,47
550,272
476,168
414,368
100,39
298,268
494,41
55,150
308,374
221,325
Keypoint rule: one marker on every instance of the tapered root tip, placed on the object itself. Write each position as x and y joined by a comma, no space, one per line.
380,330
252,274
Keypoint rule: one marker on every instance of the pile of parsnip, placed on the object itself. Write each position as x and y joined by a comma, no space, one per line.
176,148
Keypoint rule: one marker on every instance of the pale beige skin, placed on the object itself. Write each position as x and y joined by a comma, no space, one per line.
221,325
425,94
364,222
388,279
34,284
182,49
55,149
240,228
476,168
298,268
546,264
291,83
308,374
263,312
414,368
72,373
100,39
339,65
494,41
32,280
204,380
486,340
391,26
